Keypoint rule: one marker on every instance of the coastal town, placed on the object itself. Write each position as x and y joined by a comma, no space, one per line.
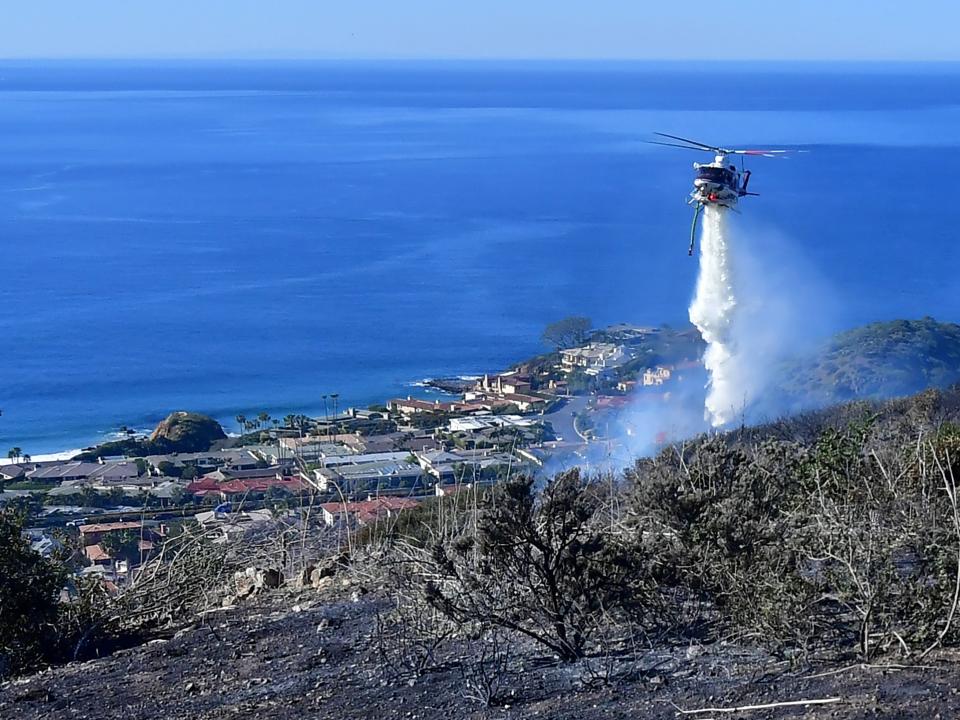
114,505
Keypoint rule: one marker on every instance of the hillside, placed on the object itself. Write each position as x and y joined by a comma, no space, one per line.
880,360
771,564
688,586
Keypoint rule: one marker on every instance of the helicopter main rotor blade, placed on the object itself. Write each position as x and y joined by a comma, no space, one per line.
687,140
676,145
764,153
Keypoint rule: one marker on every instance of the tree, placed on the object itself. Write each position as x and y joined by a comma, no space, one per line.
29,584
14,453
168,469
569,332
242,422
123,545
547,565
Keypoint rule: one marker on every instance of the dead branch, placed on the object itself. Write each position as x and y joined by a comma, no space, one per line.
764,706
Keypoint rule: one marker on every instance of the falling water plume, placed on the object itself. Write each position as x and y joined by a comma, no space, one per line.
713,311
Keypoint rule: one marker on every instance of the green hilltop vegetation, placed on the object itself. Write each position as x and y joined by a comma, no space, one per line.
879,360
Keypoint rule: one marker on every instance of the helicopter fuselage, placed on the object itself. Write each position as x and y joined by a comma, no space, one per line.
718,183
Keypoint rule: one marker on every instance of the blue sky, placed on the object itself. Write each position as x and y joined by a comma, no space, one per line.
601,29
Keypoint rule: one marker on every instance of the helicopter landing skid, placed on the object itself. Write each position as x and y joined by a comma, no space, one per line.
693,227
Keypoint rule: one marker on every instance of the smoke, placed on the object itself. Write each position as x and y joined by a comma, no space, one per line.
714,311
756,304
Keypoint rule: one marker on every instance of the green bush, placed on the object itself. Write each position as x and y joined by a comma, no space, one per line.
29,589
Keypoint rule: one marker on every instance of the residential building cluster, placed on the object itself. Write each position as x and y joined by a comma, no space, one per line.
360,465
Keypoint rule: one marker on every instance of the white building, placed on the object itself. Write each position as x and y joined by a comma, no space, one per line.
656,376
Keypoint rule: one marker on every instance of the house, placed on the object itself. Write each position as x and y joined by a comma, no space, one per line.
42,542
130,486
168,489
455,466
525,403
593,357
274,472
469,424
313,449
369,476
612,402
227,525
364,458
100,473
432,460
560,387
626,386
412,406
93,533
96,555
229,486
507,383
627,331
365,512
656,376
100,558
13,472
204,462
64,472
418,443
458,489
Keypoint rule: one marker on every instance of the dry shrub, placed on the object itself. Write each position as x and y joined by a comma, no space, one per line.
546,565
849,543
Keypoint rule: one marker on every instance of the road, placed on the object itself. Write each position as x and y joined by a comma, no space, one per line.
561,419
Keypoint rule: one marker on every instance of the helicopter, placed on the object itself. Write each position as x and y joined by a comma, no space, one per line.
716,183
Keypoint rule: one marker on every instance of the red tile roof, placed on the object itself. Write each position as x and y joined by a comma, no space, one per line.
260,485
206,485
365,507
109,527
95,553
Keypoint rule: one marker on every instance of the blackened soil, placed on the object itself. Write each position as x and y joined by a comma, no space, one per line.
321,658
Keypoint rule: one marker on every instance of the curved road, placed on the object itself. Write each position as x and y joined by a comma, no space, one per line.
561,419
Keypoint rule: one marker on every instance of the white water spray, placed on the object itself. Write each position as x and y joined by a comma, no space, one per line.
713,311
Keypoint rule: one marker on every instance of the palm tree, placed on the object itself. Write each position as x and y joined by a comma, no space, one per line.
26,458
242,422
263,418
14,453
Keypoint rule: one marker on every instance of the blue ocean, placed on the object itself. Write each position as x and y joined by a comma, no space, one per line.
232,238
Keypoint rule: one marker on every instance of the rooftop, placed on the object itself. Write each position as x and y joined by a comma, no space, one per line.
110,527
372,505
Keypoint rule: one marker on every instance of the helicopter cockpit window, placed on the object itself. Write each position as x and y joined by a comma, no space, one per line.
715,174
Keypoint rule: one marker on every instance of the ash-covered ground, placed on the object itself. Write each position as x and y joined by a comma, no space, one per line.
319,655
